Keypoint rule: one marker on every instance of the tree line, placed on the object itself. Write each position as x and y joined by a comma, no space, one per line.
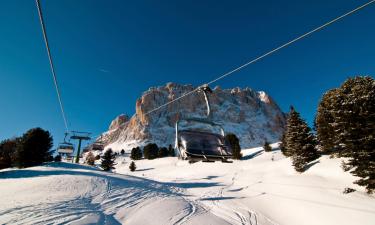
151,151
31,149
345,127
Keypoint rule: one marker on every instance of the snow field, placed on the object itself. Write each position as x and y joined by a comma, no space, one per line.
261,189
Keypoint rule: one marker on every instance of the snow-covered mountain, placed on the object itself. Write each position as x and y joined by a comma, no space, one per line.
253,116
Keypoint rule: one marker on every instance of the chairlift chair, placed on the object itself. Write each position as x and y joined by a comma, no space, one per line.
65,147
201,145
98,145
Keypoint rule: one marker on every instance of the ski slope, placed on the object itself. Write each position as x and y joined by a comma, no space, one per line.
261,189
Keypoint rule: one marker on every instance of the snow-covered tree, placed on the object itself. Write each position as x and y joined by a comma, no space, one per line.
356,123
345,125
300,142
108,160
283,145
325,122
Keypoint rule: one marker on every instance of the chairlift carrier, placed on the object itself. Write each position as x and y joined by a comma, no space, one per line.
65,147
196,145
98,145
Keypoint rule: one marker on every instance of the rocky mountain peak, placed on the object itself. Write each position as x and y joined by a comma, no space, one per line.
253,116
118,122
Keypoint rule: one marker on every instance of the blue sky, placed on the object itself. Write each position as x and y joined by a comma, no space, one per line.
107,53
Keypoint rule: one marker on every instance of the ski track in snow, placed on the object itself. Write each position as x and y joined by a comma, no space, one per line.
230,214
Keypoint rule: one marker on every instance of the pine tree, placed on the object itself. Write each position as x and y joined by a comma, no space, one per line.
136,153
356,121
234,144
57,158
300,142
325,124
150,151
283,144
163,152
90,159
267,147
7,151
34,148
122,151
171,150
132,166
108,160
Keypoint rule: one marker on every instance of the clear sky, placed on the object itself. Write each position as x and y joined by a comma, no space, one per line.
108,52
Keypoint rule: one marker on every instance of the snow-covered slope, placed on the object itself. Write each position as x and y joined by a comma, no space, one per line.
69,194
252,116
261,189
265,188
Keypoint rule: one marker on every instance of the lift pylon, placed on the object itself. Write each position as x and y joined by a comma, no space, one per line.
78,135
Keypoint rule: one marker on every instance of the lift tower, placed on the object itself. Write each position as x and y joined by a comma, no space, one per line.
77,135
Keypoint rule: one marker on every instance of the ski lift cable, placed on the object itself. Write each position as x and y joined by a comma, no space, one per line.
265,55
52,65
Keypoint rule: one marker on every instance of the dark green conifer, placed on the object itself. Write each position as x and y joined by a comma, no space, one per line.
132,166
267,147
234,144
34,148
163,152
150,151
136,153
300,142
171,151
356,121
108,160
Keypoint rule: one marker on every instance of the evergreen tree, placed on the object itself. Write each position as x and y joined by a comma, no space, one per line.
122,151
34,148
267,147
7,152
132,166
108,160
163,152
90,159
136,153
356,123
283,144
57,158
234,144
346,126
325,122
150,151
171,150
300,142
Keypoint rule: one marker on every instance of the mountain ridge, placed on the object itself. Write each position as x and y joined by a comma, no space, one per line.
252,115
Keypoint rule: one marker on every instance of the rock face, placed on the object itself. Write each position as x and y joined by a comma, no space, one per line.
118,122
252,116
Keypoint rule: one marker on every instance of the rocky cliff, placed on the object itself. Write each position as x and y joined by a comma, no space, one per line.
252,116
